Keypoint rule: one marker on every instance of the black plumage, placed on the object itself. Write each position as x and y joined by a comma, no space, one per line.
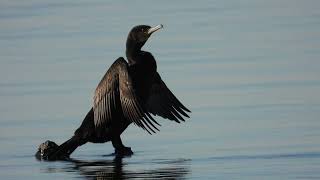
128,93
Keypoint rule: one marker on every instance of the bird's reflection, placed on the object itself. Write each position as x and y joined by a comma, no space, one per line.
116,169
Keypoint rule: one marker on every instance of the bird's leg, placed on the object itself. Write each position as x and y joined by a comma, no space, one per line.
120,149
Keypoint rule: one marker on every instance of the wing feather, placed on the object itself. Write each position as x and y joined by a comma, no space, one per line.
117,86
163,102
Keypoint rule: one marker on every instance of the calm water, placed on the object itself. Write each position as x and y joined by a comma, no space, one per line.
249,70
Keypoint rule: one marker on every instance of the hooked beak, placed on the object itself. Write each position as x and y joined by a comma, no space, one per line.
154,29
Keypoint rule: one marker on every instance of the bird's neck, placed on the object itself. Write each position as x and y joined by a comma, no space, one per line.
133,50
133,55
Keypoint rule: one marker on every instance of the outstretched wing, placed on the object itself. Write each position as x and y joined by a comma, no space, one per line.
162,102
116,86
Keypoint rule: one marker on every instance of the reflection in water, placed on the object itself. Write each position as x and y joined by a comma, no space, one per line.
116,169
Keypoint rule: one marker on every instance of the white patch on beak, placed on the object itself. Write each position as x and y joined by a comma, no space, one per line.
154,29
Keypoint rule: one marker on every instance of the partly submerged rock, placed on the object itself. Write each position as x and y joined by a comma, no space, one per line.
46,151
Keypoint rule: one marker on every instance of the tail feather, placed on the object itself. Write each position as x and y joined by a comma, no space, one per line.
66,148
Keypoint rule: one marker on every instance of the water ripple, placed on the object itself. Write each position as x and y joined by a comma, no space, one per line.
269,156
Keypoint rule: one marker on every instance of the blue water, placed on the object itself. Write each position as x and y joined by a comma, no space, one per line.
249,71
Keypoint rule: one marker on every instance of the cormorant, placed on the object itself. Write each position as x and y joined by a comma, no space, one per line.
128,93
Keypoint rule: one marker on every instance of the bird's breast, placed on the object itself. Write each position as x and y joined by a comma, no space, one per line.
142,81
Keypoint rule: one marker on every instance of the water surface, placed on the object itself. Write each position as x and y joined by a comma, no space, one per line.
249,71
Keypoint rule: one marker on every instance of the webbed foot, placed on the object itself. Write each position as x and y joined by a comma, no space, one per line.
124,151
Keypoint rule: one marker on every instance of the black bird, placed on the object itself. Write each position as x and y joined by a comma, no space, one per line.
128,93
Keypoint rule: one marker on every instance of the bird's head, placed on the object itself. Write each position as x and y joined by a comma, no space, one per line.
139,35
